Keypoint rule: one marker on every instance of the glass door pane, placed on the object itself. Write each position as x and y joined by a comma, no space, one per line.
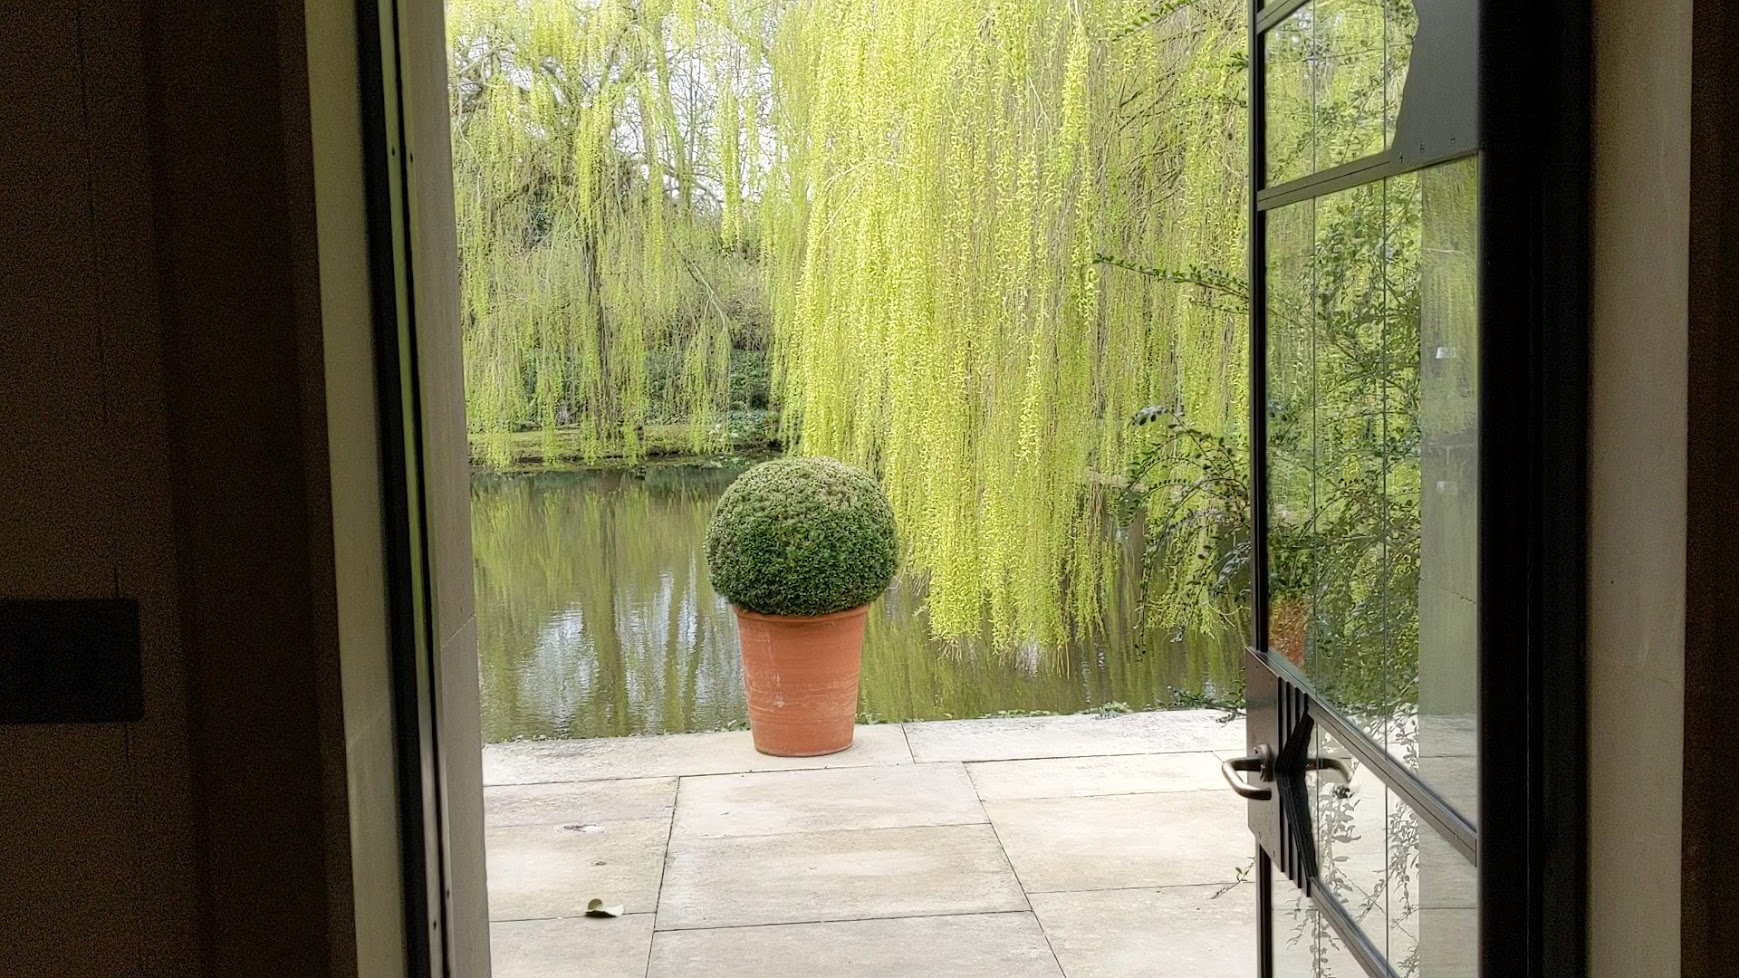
1372,438
1440,742
1363,682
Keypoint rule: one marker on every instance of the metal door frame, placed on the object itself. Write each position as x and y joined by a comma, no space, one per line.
1532,98
424,835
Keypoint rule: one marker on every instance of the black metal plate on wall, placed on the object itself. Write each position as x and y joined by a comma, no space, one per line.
74,661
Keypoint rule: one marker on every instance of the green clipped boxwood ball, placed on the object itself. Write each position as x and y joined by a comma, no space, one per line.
802,536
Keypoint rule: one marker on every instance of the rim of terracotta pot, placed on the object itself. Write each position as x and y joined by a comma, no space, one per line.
831,616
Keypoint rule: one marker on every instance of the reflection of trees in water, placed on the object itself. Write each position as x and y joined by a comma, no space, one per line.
595,618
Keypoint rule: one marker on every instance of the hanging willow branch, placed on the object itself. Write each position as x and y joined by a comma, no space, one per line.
606,275
952,177
917,199
1207,278
1158,13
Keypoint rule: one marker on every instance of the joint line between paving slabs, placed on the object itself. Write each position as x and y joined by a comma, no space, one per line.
978,796
985,821
1025,898
1227,885
663,871
939,915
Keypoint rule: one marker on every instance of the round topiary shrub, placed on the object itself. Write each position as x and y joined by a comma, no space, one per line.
802,536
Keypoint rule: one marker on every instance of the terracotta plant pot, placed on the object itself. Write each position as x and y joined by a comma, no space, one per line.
1288,620
801,677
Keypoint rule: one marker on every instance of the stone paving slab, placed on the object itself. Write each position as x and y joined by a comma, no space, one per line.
850,875
674,755
585,802
1172,932
1084,777
1005,945
1449,943
571,947
1086,735
1168,839
873,864
816,801
552,870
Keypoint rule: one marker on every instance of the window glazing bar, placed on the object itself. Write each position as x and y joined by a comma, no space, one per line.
1361,171
1366,169
1272,15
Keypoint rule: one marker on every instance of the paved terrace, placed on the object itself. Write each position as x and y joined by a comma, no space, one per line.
1047,847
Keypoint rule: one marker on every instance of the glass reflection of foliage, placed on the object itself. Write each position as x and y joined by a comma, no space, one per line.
1366,851
1363,540
1405,886
1287,73
1334,73
596,619
1344,352
1343,444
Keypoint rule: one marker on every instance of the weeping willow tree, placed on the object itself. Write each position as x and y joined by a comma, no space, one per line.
994,230
981,235
607,243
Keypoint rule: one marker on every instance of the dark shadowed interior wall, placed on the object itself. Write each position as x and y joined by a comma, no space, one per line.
101,824
163,438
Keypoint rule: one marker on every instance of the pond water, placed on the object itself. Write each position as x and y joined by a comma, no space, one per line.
595,619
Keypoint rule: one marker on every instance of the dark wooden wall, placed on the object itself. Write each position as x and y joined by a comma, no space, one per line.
1711,822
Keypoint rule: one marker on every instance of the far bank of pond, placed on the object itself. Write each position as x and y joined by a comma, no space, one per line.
737,433
595,619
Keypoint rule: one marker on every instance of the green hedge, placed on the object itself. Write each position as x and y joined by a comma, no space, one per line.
802,536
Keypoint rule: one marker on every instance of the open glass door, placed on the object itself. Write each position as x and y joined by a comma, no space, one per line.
1363,682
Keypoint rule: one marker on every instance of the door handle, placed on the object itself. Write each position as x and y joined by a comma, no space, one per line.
1261,762
1335,765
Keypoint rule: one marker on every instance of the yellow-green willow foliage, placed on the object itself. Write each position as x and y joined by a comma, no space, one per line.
606,252
994,230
